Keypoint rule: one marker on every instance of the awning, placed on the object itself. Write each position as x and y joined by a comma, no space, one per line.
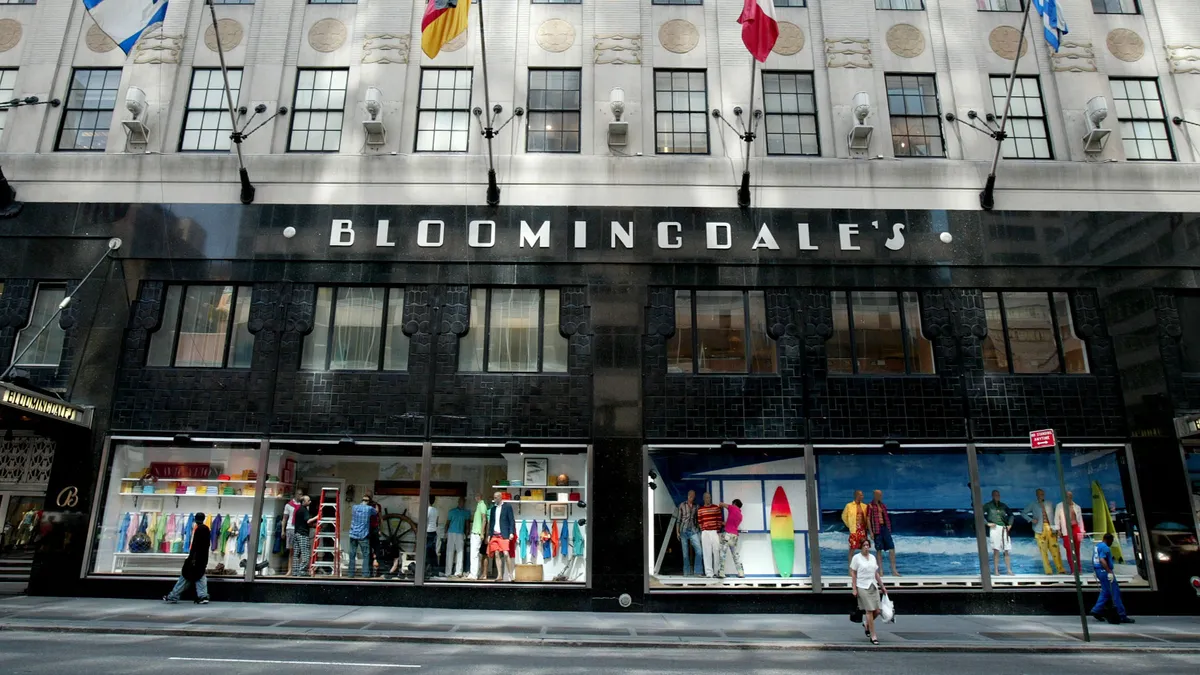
46,408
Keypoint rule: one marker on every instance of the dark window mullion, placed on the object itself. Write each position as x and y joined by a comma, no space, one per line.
1057,328
178,321
383,326
487,334
695,335
231,324
746,329
541,338
850,331
1004,327
333,296
904,331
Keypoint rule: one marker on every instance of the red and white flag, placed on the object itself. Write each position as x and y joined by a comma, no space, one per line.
760,30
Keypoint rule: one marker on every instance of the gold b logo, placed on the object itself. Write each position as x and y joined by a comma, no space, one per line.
68,497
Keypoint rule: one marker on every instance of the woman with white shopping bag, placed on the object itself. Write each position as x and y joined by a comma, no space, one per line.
867,583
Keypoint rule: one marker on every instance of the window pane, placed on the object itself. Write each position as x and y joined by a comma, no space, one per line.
878,342
317,119
241,342
357,320
162,341
395,354
443,110
920,349
554,345
1189,339
316,343
1073,348
678,93
513,331
837,347
762,348
47,349
1031,333
995,359
679,346
206,122
203,327
470,346
92,92
721,329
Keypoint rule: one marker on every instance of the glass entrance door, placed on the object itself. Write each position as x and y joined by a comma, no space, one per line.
19,533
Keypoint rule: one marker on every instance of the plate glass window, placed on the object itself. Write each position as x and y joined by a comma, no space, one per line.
680,112
1143,120
203,327
791,114
878,332
677,2
1028,137
556,2
1031,332
89,109
721,332
46,350
1115,7
357,328
1188,307
916,121
444,110
553,111
1001,5
513,330
900,4
206,123
233,2
8,81
319,110
791,3
18,2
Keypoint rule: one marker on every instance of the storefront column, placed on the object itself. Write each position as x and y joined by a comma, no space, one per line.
264,454
1144,533
423,511
814,517
985,568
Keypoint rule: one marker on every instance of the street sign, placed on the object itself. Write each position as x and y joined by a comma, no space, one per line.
1043,438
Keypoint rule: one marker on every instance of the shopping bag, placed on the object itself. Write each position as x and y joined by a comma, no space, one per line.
887,610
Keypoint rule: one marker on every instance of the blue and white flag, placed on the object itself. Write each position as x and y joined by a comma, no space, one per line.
125,20
1053,24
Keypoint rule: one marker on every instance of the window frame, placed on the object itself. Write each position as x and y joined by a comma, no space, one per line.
892,8
904,333
1164,120
555,2
296,109
815,114
1055,324
223,109
38,287
707,127
1137,8
470,98
746,337
541,336
67,108
937,99
1028,118
530,110
798,4
229,328
1020,7
389,293
677,2
5,73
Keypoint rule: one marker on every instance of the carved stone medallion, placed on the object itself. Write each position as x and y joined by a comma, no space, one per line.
1003,41
791,39
231,35
678,36
98,42
327,35
556,35
10,34
905,40
1126,45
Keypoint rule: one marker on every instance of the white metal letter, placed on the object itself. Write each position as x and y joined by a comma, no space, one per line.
668,240
765,239
805,240
423,239
849,230
338,233
381,234
581,234
715,238
540,239
619,232
474,239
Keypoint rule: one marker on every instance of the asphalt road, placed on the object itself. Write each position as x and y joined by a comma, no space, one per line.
22,652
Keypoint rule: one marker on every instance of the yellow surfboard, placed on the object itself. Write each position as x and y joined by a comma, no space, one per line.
1102,521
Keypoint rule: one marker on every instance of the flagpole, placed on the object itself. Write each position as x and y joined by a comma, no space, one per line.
743,195
236,135
493,189
987,198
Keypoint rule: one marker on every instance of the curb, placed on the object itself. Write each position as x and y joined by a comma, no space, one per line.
1041,648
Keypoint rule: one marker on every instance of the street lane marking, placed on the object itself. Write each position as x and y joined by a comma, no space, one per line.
300,663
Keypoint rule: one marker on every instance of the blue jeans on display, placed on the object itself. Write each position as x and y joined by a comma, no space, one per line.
360,546
1109,590
182,584
691,559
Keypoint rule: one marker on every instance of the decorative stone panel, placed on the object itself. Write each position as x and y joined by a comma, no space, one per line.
678,36
617,49
1004,40
231,35
1074,57
555,35
848,53
386,48
905,40
791,39
10,34
97,41
1125,45
327,35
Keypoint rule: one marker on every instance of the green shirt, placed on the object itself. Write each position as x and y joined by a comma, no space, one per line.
997,513
478,519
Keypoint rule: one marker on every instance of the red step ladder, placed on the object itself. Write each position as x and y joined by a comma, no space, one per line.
326,551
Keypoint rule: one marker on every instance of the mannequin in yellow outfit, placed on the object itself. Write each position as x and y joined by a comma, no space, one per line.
1045,530
854,516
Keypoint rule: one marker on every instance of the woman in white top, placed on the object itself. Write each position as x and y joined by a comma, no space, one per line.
867,583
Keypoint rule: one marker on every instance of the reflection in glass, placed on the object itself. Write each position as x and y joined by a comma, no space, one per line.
395,354
357,320
162,341
920,349
721,331
763,357
1072,346
316,343
554,345
1189,338
203,326
995,354
513,331
879,345
679,345
838,346
241,342
470,346
1030,331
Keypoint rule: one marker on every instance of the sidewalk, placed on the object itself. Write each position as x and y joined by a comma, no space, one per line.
772,631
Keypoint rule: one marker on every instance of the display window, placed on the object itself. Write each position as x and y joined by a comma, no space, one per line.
352,512
727,518
912,504
507,514
1035,533
154,488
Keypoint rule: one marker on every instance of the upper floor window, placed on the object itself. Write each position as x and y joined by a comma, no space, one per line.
553,111
791,3
1027,136
556,2
1189,337
900,4
677,2
203,327
233,2
333,2
722,332
357,328
513,330
8,82
878,332
791,114
45,349
1031,332
1001,5
1116,7
916,120
1142,119
89,109
18,2
680,112
444,110
319,108
206,124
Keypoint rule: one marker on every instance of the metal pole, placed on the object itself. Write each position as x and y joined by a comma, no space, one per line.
493,189
987,198
985,561
1062,486
743,194
247,195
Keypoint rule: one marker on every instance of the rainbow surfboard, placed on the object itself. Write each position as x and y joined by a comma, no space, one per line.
783,533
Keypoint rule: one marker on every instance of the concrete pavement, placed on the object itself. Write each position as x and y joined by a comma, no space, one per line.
1009,634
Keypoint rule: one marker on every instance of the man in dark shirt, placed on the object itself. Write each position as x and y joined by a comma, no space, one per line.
302,548
195,567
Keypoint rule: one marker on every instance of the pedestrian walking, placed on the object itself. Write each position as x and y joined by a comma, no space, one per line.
1110,591
302,522
195,567
867,583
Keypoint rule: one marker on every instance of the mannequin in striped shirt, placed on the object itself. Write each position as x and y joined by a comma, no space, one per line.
711,523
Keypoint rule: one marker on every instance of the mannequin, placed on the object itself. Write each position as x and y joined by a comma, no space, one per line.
502,529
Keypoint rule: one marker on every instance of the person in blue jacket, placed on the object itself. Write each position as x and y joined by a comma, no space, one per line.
1102,562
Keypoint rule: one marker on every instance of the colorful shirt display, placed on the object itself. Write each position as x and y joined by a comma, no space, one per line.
734,520
997,513
687,518
456,521
709,517
360,520
877,514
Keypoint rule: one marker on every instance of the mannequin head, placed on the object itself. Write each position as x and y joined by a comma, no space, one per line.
1070,497
878,496
858,496
691,497
1041,495
496,498
996,496
707,499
